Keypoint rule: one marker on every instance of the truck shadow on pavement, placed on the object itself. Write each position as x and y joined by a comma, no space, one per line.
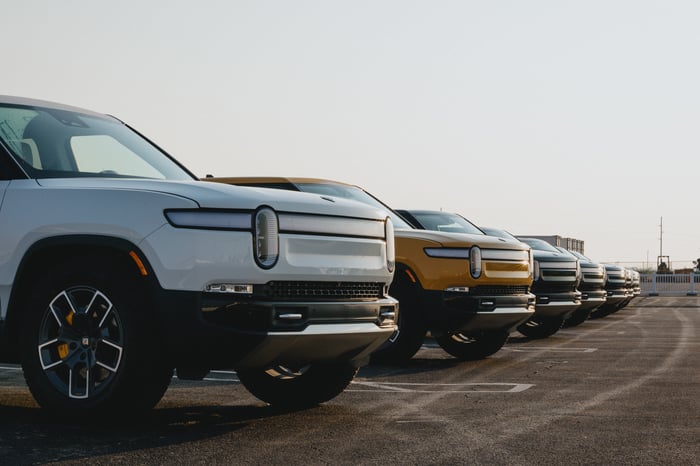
29,435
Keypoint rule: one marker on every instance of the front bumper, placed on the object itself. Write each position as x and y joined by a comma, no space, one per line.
615,297
198,333
560,305
465,313
592,299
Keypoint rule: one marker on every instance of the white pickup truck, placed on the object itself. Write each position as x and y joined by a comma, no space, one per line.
117,266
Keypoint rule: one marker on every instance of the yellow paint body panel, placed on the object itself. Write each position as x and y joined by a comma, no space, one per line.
435,273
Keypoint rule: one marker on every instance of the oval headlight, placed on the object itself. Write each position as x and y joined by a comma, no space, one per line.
475,261
579,273
390,252
266,238
536,271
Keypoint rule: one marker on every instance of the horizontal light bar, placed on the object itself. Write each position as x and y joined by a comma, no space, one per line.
558,265
209,219
331,225
450,253
504,255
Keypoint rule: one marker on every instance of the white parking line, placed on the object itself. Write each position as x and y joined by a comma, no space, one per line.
532,349
395,387
408,387
382,386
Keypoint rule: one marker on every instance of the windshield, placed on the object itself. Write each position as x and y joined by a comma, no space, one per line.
539,244
51,143
498,233
565,251
445,221
580,256
356,194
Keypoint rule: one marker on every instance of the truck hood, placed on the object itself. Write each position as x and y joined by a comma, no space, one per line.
461,240
547,256
224,196
589,264
614,268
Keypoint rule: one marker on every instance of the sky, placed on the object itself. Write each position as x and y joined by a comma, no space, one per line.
549,117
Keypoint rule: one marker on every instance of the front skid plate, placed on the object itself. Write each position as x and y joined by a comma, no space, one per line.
318,343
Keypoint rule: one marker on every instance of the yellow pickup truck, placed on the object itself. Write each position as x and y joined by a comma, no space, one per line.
469,290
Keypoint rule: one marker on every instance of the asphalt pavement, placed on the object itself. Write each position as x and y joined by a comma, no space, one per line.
623,389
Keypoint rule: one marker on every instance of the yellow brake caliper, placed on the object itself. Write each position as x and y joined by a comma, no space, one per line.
63,350
63,347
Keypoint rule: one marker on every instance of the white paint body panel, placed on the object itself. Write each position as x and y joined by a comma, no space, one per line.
183,258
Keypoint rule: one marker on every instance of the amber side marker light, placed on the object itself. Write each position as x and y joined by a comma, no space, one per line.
410,275
138,262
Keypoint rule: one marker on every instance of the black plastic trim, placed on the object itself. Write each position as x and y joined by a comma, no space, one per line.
446,311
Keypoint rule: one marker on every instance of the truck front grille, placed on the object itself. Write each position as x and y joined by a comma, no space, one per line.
558,274
549,287
320,291
588,286
494,290
615,285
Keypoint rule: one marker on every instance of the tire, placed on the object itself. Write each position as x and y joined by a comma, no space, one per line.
87,343
472,348
577,318
541,328
409,336
298,388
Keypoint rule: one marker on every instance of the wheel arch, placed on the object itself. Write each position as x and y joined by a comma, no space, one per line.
408,281
406,273
60,248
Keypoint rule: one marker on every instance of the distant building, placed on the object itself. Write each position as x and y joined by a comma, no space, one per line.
572,244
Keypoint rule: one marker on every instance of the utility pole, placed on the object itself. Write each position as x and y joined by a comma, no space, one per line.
661,238
661,265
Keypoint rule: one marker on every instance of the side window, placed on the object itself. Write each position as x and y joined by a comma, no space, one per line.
29,152
13,122
104,154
